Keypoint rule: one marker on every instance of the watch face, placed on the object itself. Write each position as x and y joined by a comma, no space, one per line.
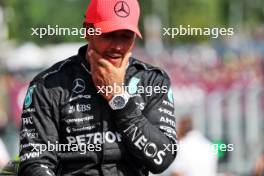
119,101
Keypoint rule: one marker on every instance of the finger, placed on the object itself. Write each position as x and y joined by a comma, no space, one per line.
88,53
125,60
105,63
94,56
91,61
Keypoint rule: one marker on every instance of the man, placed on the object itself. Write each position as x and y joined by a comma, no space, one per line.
124,131
195,154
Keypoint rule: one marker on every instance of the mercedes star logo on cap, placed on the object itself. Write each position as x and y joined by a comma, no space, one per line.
78,85
122,9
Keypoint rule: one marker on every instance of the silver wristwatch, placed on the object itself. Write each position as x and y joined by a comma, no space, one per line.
119,101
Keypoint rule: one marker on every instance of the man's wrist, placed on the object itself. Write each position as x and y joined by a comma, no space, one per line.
110,96
130,109
108,92
119,101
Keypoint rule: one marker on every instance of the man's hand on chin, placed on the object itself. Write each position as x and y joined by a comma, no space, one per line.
105,74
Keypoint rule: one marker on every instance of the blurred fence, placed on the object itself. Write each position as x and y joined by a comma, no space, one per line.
223,91
236,117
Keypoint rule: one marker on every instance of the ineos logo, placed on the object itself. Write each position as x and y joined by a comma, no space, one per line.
122,9
78,85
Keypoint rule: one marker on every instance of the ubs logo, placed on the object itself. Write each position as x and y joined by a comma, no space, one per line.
122,9
78,85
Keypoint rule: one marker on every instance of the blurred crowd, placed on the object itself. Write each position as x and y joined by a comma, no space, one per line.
219,84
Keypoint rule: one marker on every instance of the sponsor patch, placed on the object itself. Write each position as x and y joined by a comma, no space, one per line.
28,99
132,86
170,95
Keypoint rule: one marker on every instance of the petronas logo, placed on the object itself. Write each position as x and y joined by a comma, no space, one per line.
28,99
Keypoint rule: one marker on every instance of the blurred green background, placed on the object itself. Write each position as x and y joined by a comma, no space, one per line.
23,14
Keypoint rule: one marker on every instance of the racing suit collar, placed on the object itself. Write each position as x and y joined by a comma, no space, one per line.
82,58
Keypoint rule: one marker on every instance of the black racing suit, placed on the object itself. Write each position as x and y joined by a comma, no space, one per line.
63,106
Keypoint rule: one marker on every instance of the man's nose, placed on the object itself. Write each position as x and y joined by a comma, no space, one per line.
117,45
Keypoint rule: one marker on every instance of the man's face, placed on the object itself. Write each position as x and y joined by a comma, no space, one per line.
113,46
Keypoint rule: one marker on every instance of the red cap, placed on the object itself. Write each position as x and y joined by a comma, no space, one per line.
112,15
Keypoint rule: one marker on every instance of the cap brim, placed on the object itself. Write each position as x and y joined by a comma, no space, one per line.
110,26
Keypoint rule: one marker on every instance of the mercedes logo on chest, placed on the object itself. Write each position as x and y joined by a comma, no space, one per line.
122,9
78,85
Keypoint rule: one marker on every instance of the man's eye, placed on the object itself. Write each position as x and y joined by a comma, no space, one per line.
108,35
127,36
